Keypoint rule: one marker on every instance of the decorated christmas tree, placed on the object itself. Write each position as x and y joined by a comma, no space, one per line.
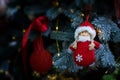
59,40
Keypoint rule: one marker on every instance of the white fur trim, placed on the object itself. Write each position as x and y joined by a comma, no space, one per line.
83,28
84,38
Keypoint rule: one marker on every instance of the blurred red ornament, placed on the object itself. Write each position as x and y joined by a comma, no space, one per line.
40,59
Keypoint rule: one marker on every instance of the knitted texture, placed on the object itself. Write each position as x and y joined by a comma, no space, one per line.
82,55
40,59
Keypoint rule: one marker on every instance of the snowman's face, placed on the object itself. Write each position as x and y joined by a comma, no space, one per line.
84,33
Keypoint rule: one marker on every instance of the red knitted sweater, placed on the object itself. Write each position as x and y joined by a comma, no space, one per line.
82,55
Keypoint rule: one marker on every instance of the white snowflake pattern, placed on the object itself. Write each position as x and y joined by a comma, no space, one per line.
79,58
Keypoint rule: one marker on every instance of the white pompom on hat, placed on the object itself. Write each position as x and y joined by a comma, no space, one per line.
86,26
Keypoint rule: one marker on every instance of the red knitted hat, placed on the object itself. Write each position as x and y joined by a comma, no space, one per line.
86,26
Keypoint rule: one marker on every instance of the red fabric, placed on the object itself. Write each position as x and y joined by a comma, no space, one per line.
37,24
86,23
88,56
72,48
97,44
41,24
40,60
